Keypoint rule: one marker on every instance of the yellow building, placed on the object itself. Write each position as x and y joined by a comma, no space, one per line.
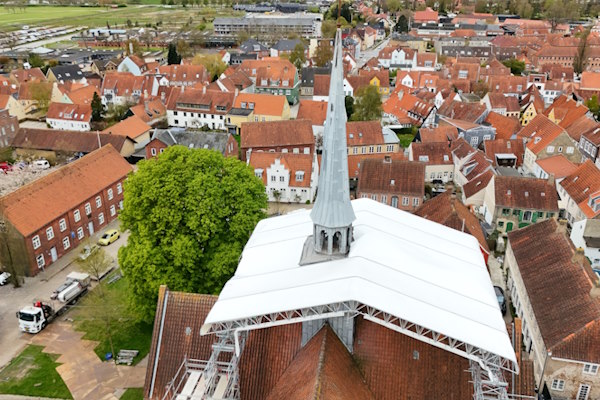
252,107
529,113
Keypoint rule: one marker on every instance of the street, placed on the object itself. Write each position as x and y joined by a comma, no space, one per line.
12,341
370,53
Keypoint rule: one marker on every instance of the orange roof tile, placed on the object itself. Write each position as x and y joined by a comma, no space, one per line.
504,146
582,183
291,161
70,112
525,193
263,104
131,127
558,165
316,111
276,133
505,126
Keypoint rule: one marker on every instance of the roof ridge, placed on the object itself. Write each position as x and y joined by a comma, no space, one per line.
321,364
574,334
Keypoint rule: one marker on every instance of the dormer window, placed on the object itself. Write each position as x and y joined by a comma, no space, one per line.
537,140
446,157
594,202
263,82
258,172
243,104
299,176
424,158
251,106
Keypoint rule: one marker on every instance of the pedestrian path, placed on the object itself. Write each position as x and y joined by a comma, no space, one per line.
86,376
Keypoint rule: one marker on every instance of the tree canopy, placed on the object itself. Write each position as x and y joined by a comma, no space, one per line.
367,106
172,56
97,108
190,213
297,56
213,64
516,67
323,55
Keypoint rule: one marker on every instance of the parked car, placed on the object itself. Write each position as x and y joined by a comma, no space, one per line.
501,298
4,277
109,236
88,251
41,164
5,167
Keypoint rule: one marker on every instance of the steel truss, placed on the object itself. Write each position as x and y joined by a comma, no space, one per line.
487,369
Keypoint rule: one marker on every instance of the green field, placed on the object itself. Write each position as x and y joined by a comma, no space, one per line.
99,16
133,394
33,373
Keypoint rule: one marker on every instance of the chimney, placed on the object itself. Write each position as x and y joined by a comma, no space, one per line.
248,154
236,92
551,179
400,94
203,89
578,257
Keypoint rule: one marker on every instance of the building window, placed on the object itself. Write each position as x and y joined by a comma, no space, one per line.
558,384
405,201
88,209
121,205
281,179
384,199
62,225
110,194
80,233
374,197
153,151
415,201
40,260
371,149
119,188
570,150
113,210
590,369
66,243
76,215
395,201
36,242
273,178
550,149
50,233
98,202
583,393
100,218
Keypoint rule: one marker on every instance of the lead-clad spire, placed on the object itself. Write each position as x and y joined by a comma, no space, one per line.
332,214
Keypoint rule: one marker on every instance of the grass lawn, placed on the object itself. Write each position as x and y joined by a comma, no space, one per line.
133,394
127,333
405,139
33,373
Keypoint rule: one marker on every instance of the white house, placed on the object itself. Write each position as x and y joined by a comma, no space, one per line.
288,177
196,108
580,193
133,64
69,117
585,234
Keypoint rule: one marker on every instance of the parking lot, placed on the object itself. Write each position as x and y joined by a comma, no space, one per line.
12,341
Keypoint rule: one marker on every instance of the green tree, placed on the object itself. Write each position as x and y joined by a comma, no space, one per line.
581,56
594,106
324,54
328,28
349,103
97,108
41,92
183,48
346,12
297,56
172,56
402,24
213,64
190,213
35,61
367,106
560,11
393,6
481,6
516,67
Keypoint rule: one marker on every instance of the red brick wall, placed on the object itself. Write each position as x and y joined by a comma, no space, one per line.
379,196
290,149
155,144
72,226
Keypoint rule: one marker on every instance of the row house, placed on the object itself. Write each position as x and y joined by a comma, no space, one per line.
589,144
532,104
121,88
182,75
515,202
404,110
558,167
288,177
580,193
396,183
558,330
508,85
133,64
437,159
586,235
481,52
506,127
72,117
563,56
9,125
55,213
293,136
196,108
253,107
448,210
273,76
501,104
474,134
369,137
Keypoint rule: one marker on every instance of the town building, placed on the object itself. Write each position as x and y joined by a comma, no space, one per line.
65,73
546,143
196,108
585,235
273,76
55,213
512,202
437,159
121,88
589,144
72,117
579,193
306,25
133,127
397,183
133,64
559,329
254,107
222,142
9,125
292,136
369,137
182,75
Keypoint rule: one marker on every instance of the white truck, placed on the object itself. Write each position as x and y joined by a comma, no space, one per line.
34,318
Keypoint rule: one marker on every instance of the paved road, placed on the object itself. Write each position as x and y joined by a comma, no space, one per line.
41,286
370,53
41,43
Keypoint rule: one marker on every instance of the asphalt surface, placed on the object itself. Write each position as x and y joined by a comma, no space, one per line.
40,287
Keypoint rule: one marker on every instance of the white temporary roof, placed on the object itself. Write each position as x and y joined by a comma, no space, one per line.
401,264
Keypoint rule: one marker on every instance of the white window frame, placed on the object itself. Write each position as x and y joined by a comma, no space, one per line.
98,202
405,200
80,233
119,188
113,210
152,151
394,202
36,242
88,208
590,369
100,218
558,385
415,201
583,392
77,215
39,259
66,242
62,224
50,233
110,194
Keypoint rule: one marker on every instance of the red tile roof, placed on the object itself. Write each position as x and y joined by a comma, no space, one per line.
355,161
131,127
540,125
276,133
35,205
322,369
364,133
125,83
470,112
65,141
393,177
184,73
436,153
561,319
583,182
443,133
447,210
316,111
149,110
584,126
505,126
27,75
263,104
477,184
321,85
566,110
525,193
558,165
212,101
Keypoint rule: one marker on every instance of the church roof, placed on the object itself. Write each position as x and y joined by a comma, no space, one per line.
401,264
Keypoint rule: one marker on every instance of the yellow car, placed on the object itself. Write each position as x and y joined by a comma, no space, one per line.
109,236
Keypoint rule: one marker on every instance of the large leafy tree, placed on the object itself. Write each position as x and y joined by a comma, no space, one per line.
516,67
367,106
324,54
297,56
97,108
213,64
190,213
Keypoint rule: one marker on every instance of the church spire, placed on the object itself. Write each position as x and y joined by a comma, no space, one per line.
332,214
